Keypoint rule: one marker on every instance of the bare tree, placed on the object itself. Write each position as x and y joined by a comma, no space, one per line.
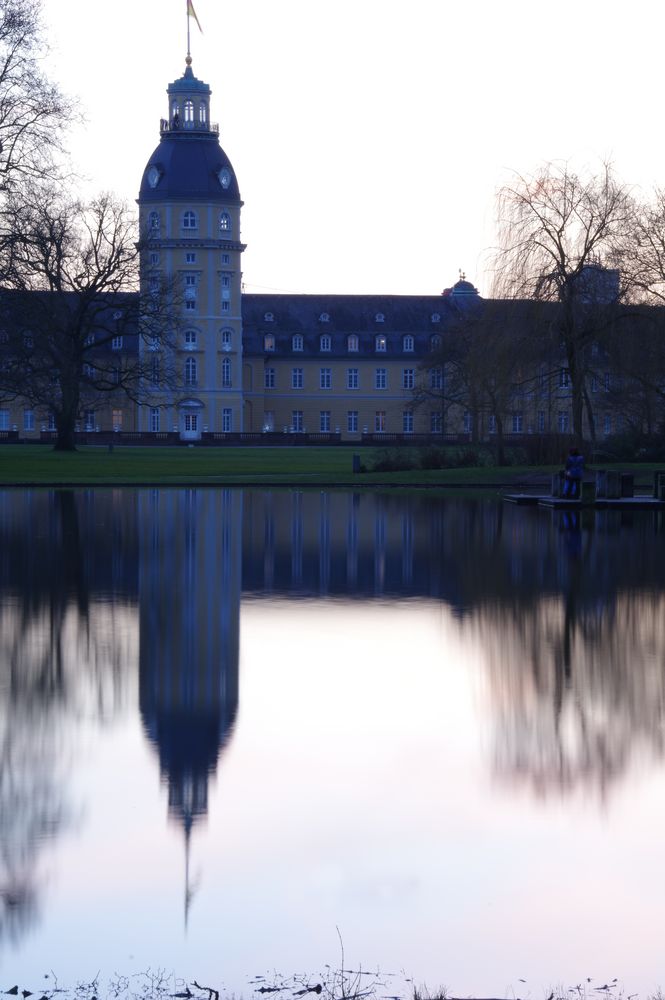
33,111
561,239
71,315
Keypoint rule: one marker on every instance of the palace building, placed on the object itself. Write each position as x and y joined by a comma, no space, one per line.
332,367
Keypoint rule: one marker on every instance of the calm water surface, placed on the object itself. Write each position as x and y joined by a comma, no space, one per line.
234,721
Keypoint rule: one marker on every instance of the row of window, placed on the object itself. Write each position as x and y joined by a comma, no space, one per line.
352,422
191,372
189,221
190,258
324,317
352,343
408,378
325,417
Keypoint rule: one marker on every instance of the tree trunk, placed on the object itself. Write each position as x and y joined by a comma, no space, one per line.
65,425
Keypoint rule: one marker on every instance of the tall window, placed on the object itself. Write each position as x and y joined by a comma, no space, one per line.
435,342
324,421
379,421
468,422
296,342
436,422
541,422
116,420
324,342
408,378
518,423
154,221
191,371
436,378
4,420
491,423
203,113
28,420
189,112
190,339
268,378
154,419
225,222
564,379
607,425
189,220
226,373
190,291
407,344
227,339
380,378
352,342
351,378
407,421
154,369
191,422
562,422
352,421
227,420
325,378
296,421
296,378
380,344
268,342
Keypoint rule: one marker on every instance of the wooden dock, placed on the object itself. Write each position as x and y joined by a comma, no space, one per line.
597,503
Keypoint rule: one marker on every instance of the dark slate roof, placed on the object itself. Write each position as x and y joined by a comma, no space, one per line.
347,314
189,164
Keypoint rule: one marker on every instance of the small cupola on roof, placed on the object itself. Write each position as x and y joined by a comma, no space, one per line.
462,289
189,162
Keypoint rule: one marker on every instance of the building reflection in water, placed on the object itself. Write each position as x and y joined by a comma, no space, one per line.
189,600
570,611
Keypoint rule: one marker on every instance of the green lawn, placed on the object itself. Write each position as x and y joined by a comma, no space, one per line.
40,465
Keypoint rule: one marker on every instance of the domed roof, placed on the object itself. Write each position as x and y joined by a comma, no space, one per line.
464,287
188,167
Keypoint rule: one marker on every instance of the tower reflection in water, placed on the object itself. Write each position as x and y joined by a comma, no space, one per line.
189,599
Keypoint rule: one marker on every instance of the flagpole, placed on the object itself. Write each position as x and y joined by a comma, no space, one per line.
188,45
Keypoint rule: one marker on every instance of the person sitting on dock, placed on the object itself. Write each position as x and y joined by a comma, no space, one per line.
574,471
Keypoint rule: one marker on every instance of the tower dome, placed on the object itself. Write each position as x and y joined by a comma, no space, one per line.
189,162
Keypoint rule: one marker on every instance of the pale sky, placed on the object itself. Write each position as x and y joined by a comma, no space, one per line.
369,136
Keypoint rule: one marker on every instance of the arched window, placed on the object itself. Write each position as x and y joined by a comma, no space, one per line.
175,115
227,339
436,317
324,318
352,342
189,112
324,342
379,318
407,343
189,220
191,371
203,113
268,318
435,342
296,342
226,373
380,343
154,221
225,222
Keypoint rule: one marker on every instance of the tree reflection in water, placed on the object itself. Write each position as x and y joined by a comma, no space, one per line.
63,656
576,679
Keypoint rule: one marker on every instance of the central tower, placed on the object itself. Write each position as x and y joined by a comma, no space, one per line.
189,213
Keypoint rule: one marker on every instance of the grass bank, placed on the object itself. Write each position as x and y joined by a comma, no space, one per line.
39,465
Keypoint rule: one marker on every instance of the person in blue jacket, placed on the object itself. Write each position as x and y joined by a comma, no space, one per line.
574,471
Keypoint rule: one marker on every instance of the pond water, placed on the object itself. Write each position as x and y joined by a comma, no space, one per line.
237,726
